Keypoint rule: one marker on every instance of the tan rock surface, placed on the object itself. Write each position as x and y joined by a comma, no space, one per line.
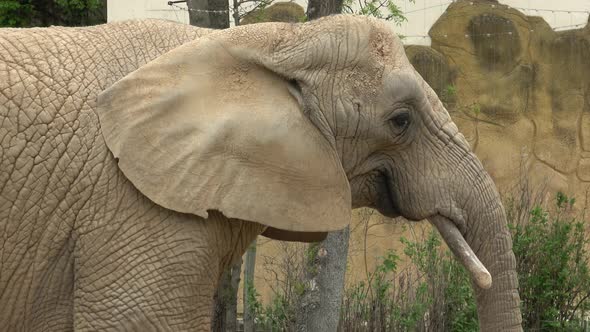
277,12
522,92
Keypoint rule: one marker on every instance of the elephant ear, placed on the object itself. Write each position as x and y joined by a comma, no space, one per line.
206,127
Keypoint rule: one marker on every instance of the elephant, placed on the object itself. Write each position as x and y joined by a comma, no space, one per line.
139,158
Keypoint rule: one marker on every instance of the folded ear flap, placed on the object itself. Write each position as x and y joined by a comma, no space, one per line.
203,127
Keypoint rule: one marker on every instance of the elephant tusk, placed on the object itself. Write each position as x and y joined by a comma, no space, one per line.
462,250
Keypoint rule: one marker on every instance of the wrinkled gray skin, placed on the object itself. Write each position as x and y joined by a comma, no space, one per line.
82,248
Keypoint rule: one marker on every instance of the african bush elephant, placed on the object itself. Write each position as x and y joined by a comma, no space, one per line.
138,159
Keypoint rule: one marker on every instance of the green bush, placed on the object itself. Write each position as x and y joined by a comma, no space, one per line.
28,13
279,315
286,272
434,293
15,13
386,302
551,250
452,301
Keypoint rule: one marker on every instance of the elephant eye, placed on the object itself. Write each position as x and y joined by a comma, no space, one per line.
400,121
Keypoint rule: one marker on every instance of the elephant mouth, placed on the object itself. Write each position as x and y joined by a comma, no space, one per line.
386,203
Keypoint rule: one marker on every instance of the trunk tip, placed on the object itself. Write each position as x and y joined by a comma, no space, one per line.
483,279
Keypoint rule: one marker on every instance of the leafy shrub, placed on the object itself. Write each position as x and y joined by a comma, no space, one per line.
452,301
279,315
432,294
14,13
286,271
28,13
551,250
388,301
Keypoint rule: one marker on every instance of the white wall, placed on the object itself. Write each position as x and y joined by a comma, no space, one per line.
118,10
421,14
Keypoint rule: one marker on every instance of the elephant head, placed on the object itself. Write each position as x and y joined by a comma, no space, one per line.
292,125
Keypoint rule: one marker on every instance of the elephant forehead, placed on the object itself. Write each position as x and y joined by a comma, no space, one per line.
405,86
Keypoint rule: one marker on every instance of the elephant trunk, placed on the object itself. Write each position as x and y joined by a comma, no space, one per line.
485,246
499,306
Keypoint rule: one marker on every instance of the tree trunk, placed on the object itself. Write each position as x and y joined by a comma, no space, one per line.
250,264
236,14
319,8
218,318
319,306
231,307
225,310
212,14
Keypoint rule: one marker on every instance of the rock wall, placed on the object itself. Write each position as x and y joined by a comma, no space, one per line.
519,92
277,12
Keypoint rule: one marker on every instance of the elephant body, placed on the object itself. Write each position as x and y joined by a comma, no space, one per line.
79,243
138,159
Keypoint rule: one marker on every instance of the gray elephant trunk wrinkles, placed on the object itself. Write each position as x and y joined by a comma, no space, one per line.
475,206
487,233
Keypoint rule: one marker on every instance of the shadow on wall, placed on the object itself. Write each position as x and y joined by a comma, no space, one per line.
519,92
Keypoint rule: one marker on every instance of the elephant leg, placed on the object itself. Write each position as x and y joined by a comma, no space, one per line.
157,272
